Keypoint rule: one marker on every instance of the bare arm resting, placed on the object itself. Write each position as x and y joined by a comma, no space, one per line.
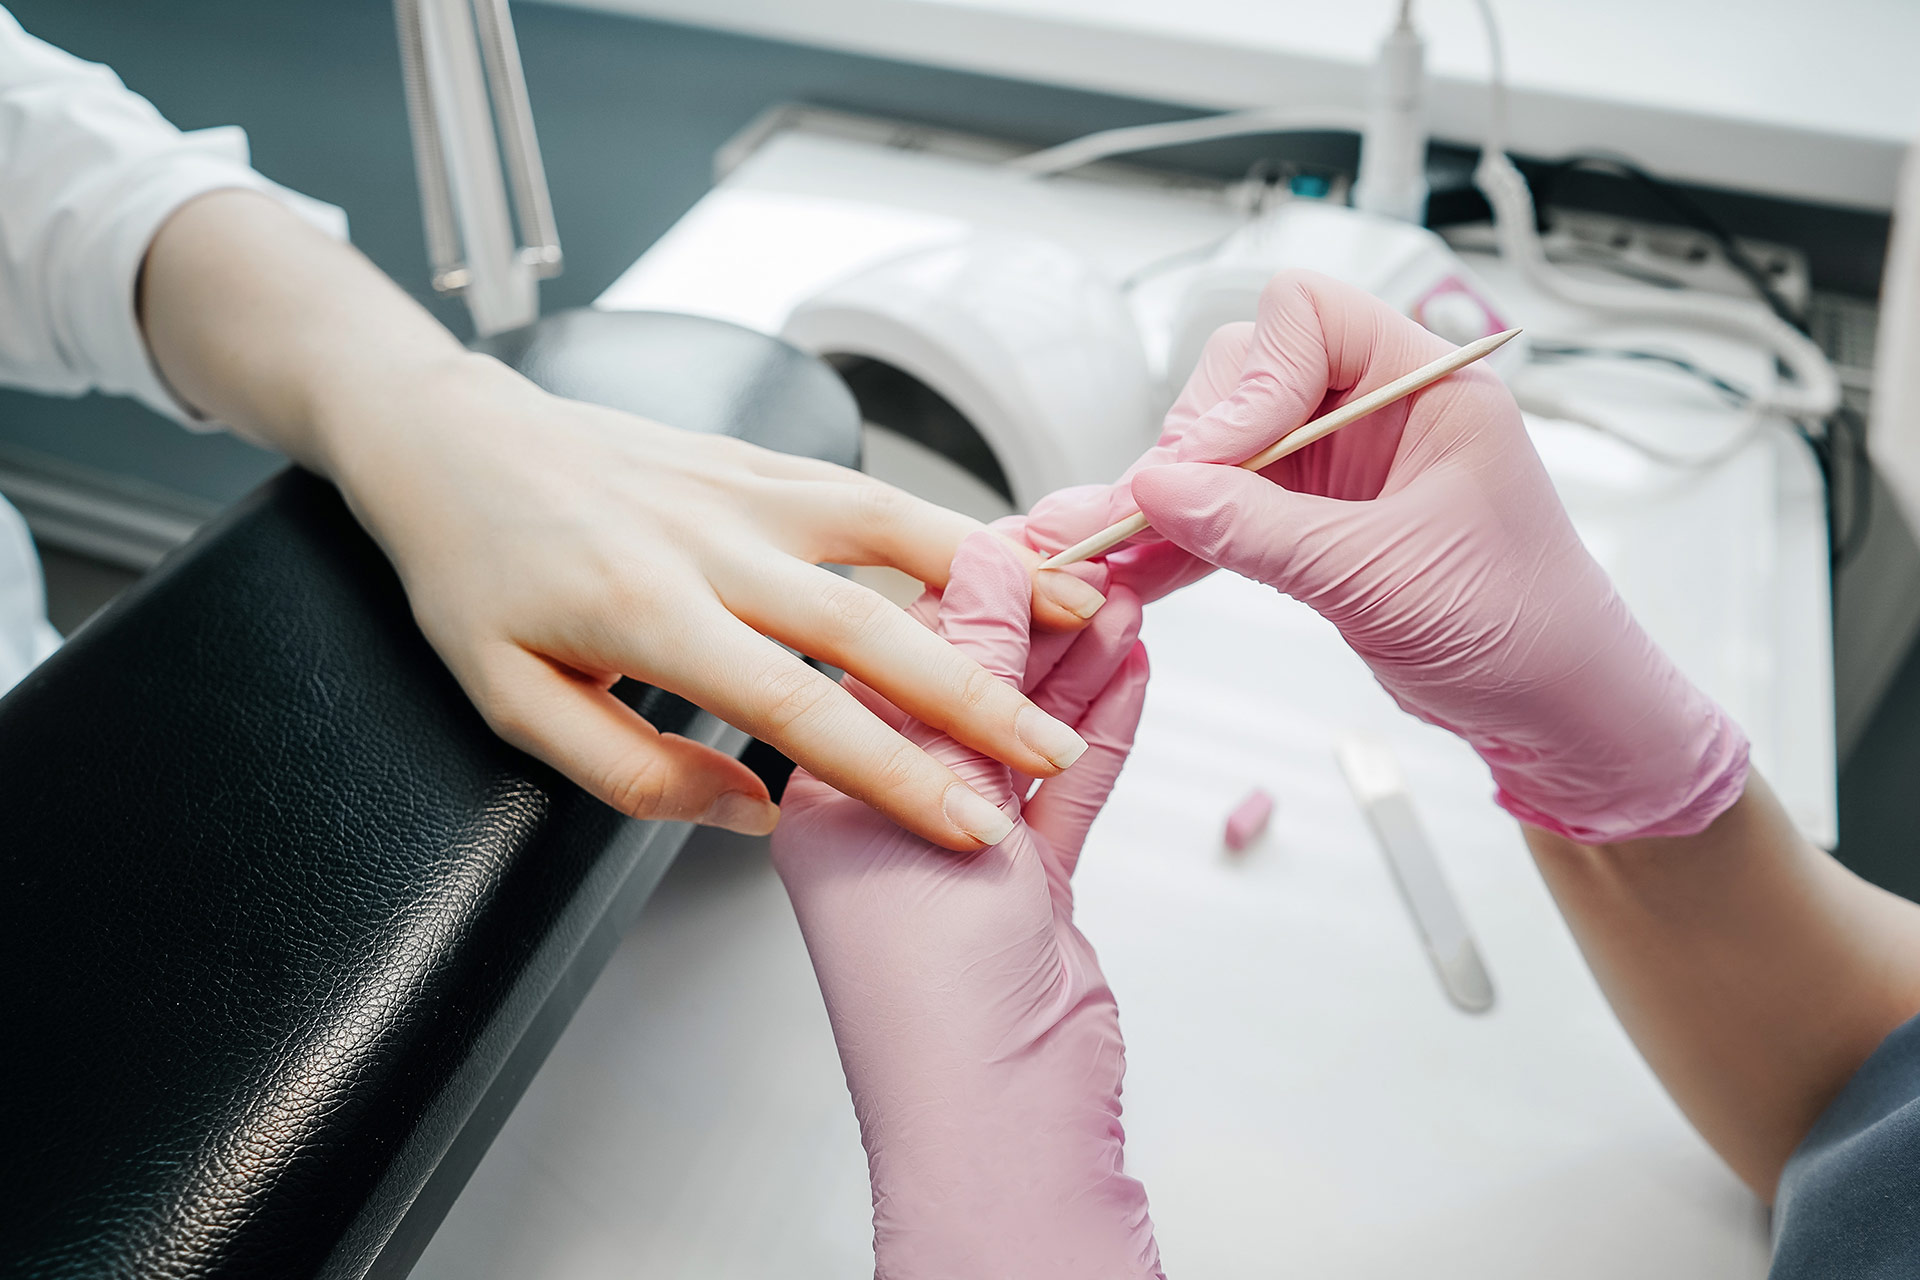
1753,971
542,541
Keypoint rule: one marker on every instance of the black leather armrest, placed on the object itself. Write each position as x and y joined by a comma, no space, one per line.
284,930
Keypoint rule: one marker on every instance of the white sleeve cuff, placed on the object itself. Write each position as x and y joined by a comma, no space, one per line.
105,334
88,173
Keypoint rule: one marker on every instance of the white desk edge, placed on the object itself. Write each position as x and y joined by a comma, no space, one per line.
1750,125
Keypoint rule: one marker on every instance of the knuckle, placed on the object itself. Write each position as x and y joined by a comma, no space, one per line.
790,692
629,589
1232,337
1218,368
878,506
637,787
897,771
1286,285
850,614
979,689
735,451
503,702
509,719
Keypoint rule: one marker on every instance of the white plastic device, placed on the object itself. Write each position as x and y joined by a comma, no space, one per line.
1035,348
1391,181
1410,267
1378,786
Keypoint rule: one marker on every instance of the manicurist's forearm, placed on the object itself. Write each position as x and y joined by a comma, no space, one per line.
264,324
1754,972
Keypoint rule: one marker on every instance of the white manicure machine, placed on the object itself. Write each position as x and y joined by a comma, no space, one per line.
1048,311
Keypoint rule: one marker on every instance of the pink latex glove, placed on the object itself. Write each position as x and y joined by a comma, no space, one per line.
1430,535
980,1041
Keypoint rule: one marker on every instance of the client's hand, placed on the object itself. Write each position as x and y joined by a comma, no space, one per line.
550,547
981,1044
1431,536
559,546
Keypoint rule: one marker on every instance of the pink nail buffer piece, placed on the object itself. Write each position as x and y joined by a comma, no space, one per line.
1248,819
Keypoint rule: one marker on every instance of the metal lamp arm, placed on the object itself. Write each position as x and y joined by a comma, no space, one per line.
490,233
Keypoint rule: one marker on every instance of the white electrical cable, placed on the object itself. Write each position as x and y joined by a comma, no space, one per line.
1149,137
1544,405
1546,402
1815,390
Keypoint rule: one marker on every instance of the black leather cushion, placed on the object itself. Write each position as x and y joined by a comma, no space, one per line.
706,375
283,929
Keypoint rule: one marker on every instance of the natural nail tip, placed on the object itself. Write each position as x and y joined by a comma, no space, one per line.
1042,733
1071,594
742,814
976,815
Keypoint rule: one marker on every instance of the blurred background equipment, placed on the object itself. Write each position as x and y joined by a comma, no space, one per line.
1895,433
462,73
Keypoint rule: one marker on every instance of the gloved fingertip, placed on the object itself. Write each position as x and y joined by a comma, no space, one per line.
985,609
1196,505
1179,488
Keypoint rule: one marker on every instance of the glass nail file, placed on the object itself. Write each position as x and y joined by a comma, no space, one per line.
1374,776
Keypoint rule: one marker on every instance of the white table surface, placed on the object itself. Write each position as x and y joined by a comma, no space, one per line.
1810,101
1301,1099
1299,1088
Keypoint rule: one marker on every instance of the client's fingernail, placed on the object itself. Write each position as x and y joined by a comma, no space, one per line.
1040,731
976,815
738,811
1071,594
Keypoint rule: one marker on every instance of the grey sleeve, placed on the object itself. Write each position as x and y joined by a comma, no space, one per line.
1849,1198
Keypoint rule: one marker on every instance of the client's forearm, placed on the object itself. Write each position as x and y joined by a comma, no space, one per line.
263,323
1754,972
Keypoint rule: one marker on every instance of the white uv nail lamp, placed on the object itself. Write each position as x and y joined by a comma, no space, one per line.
1033,328
1029,345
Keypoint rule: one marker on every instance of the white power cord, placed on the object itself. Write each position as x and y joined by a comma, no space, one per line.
1149,137
1544,403
1815,390
1813,393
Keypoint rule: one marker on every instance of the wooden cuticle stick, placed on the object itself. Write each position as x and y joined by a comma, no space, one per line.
1294,441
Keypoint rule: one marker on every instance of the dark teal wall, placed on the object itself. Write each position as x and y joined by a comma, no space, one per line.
629,114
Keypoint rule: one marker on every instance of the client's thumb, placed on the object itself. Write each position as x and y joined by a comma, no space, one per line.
1242,521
